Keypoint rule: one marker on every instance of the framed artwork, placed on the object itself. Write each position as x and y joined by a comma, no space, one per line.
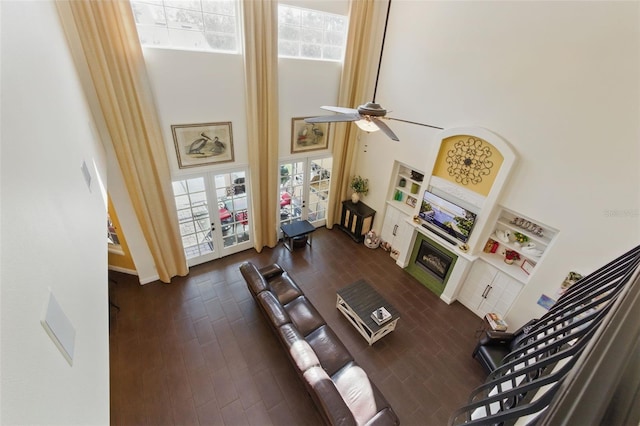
527,266
203,144
546,302
308,136
411,201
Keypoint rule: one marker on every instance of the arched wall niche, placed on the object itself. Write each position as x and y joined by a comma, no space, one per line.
478,183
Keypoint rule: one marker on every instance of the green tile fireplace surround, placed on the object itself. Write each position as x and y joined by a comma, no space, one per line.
426,278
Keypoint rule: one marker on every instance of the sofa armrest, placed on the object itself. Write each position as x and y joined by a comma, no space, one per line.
495,338
271,271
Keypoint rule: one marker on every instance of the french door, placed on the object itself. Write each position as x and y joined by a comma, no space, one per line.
304,190
213,215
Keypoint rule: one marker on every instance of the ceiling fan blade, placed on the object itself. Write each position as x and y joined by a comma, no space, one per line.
333,118
340,109
387,131
414,122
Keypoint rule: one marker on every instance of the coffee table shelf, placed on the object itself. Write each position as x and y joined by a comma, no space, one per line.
357,302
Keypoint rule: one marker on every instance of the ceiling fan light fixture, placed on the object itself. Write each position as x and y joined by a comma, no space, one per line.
367,125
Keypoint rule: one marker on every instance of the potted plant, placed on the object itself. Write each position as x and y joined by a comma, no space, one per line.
359,185
511,256
520,238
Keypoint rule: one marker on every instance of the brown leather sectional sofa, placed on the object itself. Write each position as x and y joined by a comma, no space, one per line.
339,387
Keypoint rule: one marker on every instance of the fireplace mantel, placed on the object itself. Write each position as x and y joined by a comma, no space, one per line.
460,268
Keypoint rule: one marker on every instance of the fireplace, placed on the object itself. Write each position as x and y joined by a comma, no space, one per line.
434,261
431,263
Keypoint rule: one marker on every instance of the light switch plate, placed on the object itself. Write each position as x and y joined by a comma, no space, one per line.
87,174
59,328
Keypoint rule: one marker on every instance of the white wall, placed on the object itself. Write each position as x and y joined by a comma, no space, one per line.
558,81
53,228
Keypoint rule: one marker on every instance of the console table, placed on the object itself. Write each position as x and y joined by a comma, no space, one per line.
356,219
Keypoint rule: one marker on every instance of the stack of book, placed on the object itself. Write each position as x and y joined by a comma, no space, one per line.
496,322
380,315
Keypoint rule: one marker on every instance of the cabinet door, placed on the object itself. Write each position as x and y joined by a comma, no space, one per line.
503,293
477,285
389,226
403,234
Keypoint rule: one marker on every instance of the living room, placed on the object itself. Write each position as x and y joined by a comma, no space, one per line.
557,81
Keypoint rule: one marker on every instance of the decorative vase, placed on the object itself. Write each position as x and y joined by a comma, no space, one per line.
508,261
355,197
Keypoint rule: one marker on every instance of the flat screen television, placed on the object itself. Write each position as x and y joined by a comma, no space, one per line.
446,216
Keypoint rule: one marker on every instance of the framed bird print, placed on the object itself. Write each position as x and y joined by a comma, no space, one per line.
308,136
203,144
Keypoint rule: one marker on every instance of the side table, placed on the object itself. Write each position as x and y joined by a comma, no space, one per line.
294,230
356,219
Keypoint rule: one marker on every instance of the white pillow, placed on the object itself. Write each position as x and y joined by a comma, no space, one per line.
303,354
356,390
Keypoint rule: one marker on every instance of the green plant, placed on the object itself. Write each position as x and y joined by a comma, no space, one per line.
425,207
359,185
521,238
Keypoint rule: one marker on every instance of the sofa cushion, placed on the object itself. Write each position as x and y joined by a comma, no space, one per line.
356,390
253,277
273,309
328,398
271,271
284,288
304,315
330,350
300,351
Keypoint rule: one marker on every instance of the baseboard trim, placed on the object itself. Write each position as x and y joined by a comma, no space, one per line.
143,280
150,279
448,300
123,270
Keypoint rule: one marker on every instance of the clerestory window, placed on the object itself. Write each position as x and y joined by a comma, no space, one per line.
209,25
213,25
312,34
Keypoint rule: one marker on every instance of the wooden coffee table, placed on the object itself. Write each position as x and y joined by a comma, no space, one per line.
357,302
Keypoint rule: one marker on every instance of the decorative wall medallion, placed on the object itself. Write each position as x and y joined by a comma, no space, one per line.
468,161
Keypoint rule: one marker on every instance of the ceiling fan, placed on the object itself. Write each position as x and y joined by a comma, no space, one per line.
368,116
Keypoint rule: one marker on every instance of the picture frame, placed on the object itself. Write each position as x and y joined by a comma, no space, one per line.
308,136
203,144
546,302
411,201
527,267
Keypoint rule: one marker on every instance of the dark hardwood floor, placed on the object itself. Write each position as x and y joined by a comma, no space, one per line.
198,351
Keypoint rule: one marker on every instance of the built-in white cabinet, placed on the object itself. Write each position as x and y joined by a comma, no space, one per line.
395,229
487,289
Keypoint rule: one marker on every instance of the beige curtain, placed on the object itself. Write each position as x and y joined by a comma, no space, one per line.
261,84
109,43
360,64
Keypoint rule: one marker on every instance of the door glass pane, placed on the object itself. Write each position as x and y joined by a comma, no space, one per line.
232,207
193,216
291,191
319,188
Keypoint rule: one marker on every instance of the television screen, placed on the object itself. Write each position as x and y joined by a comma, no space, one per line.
447,216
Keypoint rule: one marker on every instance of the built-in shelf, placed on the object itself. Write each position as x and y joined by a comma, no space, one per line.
538,237
404,191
